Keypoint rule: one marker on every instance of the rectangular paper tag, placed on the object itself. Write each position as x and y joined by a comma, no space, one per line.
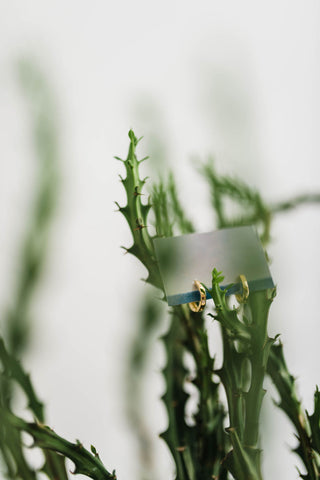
234,251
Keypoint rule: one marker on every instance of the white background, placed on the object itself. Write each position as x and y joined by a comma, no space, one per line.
239,80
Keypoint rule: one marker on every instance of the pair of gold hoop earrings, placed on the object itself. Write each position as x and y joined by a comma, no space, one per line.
199,306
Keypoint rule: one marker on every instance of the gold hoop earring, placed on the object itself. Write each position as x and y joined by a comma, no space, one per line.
199,306
243,296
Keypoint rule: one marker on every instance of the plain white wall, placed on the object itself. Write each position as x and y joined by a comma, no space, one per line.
238,80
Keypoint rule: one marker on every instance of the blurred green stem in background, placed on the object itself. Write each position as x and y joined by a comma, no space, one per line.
148,320
16,325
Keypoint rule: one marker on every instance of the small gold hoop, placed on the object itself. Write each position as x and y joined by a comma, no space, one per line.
243,296
199,306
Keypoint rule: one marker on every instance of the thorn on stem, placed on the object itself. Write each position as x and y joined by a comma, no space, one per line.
119,208
139,224
136,192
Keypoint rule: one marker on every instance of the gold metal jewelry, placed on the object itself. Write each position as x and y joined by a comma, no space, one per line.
199,306
243,296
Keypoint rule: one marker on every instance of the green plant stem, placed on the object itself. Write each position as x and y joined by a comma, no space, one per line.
210,440
12,451
314,422
54,465
86,463
243,341
34,245
294,202
16,323
12,370
231,377
285,384
139,352
259,304
177,434
136,213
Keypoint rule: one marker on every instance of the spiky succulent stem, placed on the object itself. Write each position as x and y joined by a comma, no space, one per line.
177,434
197,450
246,344
86,463
136,213
54,447
307,426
